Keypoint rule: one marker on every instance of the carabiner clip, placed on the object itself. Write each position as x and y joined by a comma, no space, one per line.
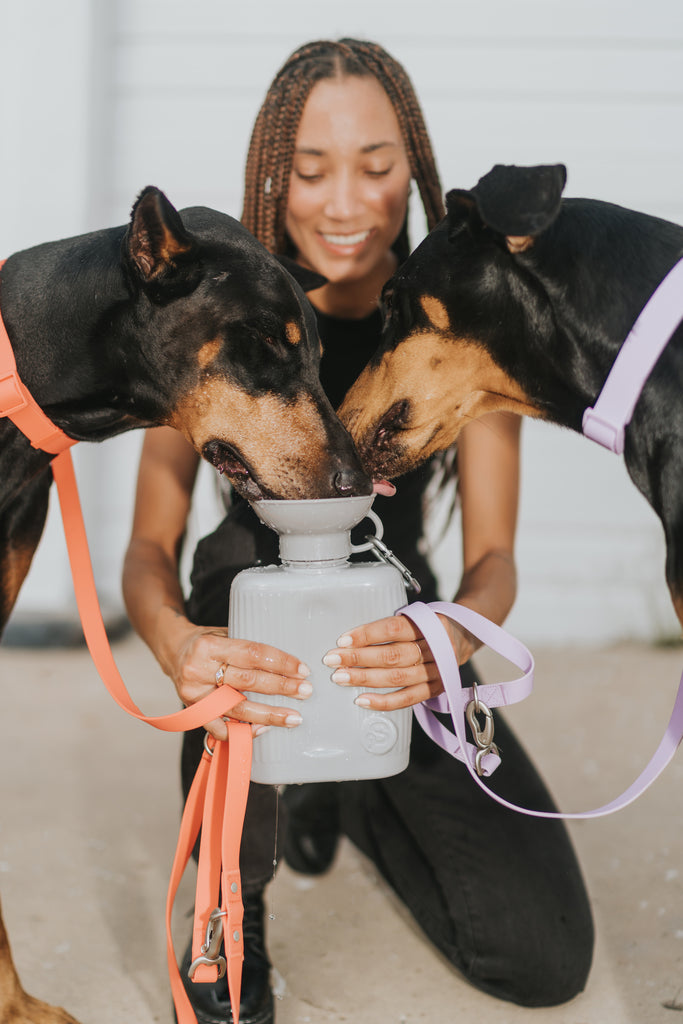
483,737
211,955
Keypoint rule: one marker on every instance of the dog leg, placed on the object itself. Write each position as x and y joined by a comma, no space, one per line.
21,527
16,1007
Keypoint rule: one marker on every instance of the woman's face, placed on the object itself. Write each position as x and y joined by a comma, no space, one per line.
350,179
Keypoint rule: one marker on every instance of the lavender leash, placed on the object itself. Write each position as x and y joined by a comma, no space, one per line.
456,700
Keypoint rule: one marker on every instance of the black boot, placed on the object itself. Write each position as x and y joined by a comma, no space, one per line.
210,1000
312,826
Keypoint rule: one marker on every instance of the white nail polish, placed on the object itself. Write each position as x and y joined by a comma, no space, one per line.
362,702
293,720
332,660
345,641
341,677
303,670
260,729
305,690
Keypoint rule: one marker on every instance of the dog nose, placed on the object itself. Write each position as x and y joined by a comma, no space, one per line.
348,482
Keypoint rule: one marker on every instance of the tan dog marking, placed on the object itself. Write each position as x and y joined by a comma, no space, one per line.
283,441
448,382
436,312
15,1005
208,352
293,332
519,243
15,565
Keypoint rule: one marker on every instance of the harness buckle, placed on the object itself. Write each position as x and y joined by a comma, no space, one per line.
210,950
11,398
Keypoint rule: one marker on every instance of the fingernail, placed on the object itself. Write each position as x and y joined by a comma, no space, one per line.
331,660
341,677
305,690
293,719
345,641
303,670
260,729
362,702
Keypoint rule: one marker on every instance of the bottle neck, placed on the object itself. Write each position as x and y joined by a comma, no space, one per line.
325,548
313,564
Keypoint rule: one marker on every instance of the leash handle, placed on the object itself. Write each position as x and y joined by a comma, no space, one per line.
425,618
215,705
218,797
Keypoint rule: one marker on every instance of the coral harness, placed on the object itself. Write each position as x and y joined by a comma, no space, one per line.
217,800
218,796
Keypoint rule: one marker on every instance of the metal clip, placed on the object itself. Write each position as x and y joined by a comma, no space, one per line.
211,954
483,737
384,554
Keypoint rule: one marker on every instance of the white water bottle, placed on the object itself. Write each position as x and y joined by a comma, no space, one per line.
302,606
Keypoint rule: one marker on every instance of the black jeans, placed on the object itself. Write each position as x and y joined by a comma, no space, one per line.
500,894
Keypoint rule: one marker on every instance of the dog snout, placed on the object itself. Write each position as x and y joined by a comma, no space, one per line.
350,481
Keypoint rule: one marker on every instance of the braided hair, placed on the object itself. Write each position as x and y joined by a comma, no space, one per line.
271,150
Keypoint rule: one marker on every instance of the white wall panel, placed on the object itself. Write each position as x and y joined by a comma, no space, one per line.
173,90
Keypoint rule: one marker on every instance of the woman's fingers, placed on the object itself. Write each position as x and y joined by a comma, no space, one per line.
260,716
405,697
393,629
387,654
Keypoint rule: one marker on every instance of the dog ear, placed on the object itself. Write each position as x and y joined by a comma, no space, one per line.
308,280
461,209
156,239
520,202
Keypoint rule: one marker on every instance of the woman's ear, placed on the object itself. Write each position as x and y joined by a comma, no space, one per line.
307,279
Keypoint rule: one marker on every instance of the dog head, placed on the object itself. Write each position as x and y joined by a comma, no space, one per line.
226,350
454,314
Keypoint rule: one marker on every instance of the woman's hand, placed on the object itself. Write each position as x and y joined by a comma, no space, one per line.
391,653
207,658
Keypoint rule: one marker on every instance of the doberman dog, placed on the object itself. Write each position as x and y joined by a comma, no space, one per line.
178,318
519,300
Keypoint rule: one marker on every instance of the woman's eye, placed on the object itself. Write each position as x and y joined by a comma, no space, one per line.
308,177
378,172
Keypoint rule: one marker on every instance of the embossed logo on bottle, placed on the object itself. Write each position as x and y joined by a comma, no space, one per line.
378,734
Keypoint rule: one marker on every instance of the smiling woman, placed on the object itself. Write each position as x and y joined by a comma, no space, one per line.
348,192
335,146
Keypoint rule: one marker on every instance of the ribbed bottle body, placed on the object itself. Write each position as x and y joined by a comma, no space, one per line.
303,611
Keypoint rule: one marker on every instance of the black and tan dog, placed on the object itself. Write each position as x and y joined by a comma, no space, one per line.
520,300
180,319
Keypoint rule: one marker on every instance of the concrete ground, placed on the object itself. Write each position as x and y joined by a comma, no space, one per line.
90,808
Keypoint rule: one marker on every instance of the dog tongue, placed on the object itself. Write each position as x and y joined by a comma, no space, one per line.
383,487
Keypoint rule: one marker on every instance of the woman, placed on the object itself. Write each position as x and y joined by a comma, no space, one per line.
335,147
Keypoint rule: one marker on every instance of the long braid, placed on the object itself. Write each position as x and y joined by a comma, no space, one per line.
271,150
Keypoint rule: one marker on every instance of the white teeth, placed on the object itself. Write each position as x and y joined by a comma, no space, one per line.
360,236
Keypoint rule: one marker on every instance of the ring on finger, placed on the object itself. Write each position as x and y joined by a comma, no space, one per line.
419,652
220,672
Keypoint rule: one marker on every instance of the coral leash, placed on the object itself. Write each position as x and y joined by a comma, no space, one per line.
217,800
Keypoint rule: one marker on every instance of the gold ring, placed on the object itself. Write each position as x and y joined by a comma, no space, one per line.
220,672
419,652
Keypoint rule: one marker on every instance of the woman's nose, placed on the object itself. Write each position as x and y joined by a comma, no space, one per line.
343,201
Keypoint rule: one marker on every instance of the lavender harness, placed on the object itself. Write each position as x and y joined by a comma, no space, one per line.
605,423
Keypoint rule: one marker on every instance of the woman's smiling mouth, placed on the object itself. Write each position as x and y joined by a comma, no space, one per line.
344,242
